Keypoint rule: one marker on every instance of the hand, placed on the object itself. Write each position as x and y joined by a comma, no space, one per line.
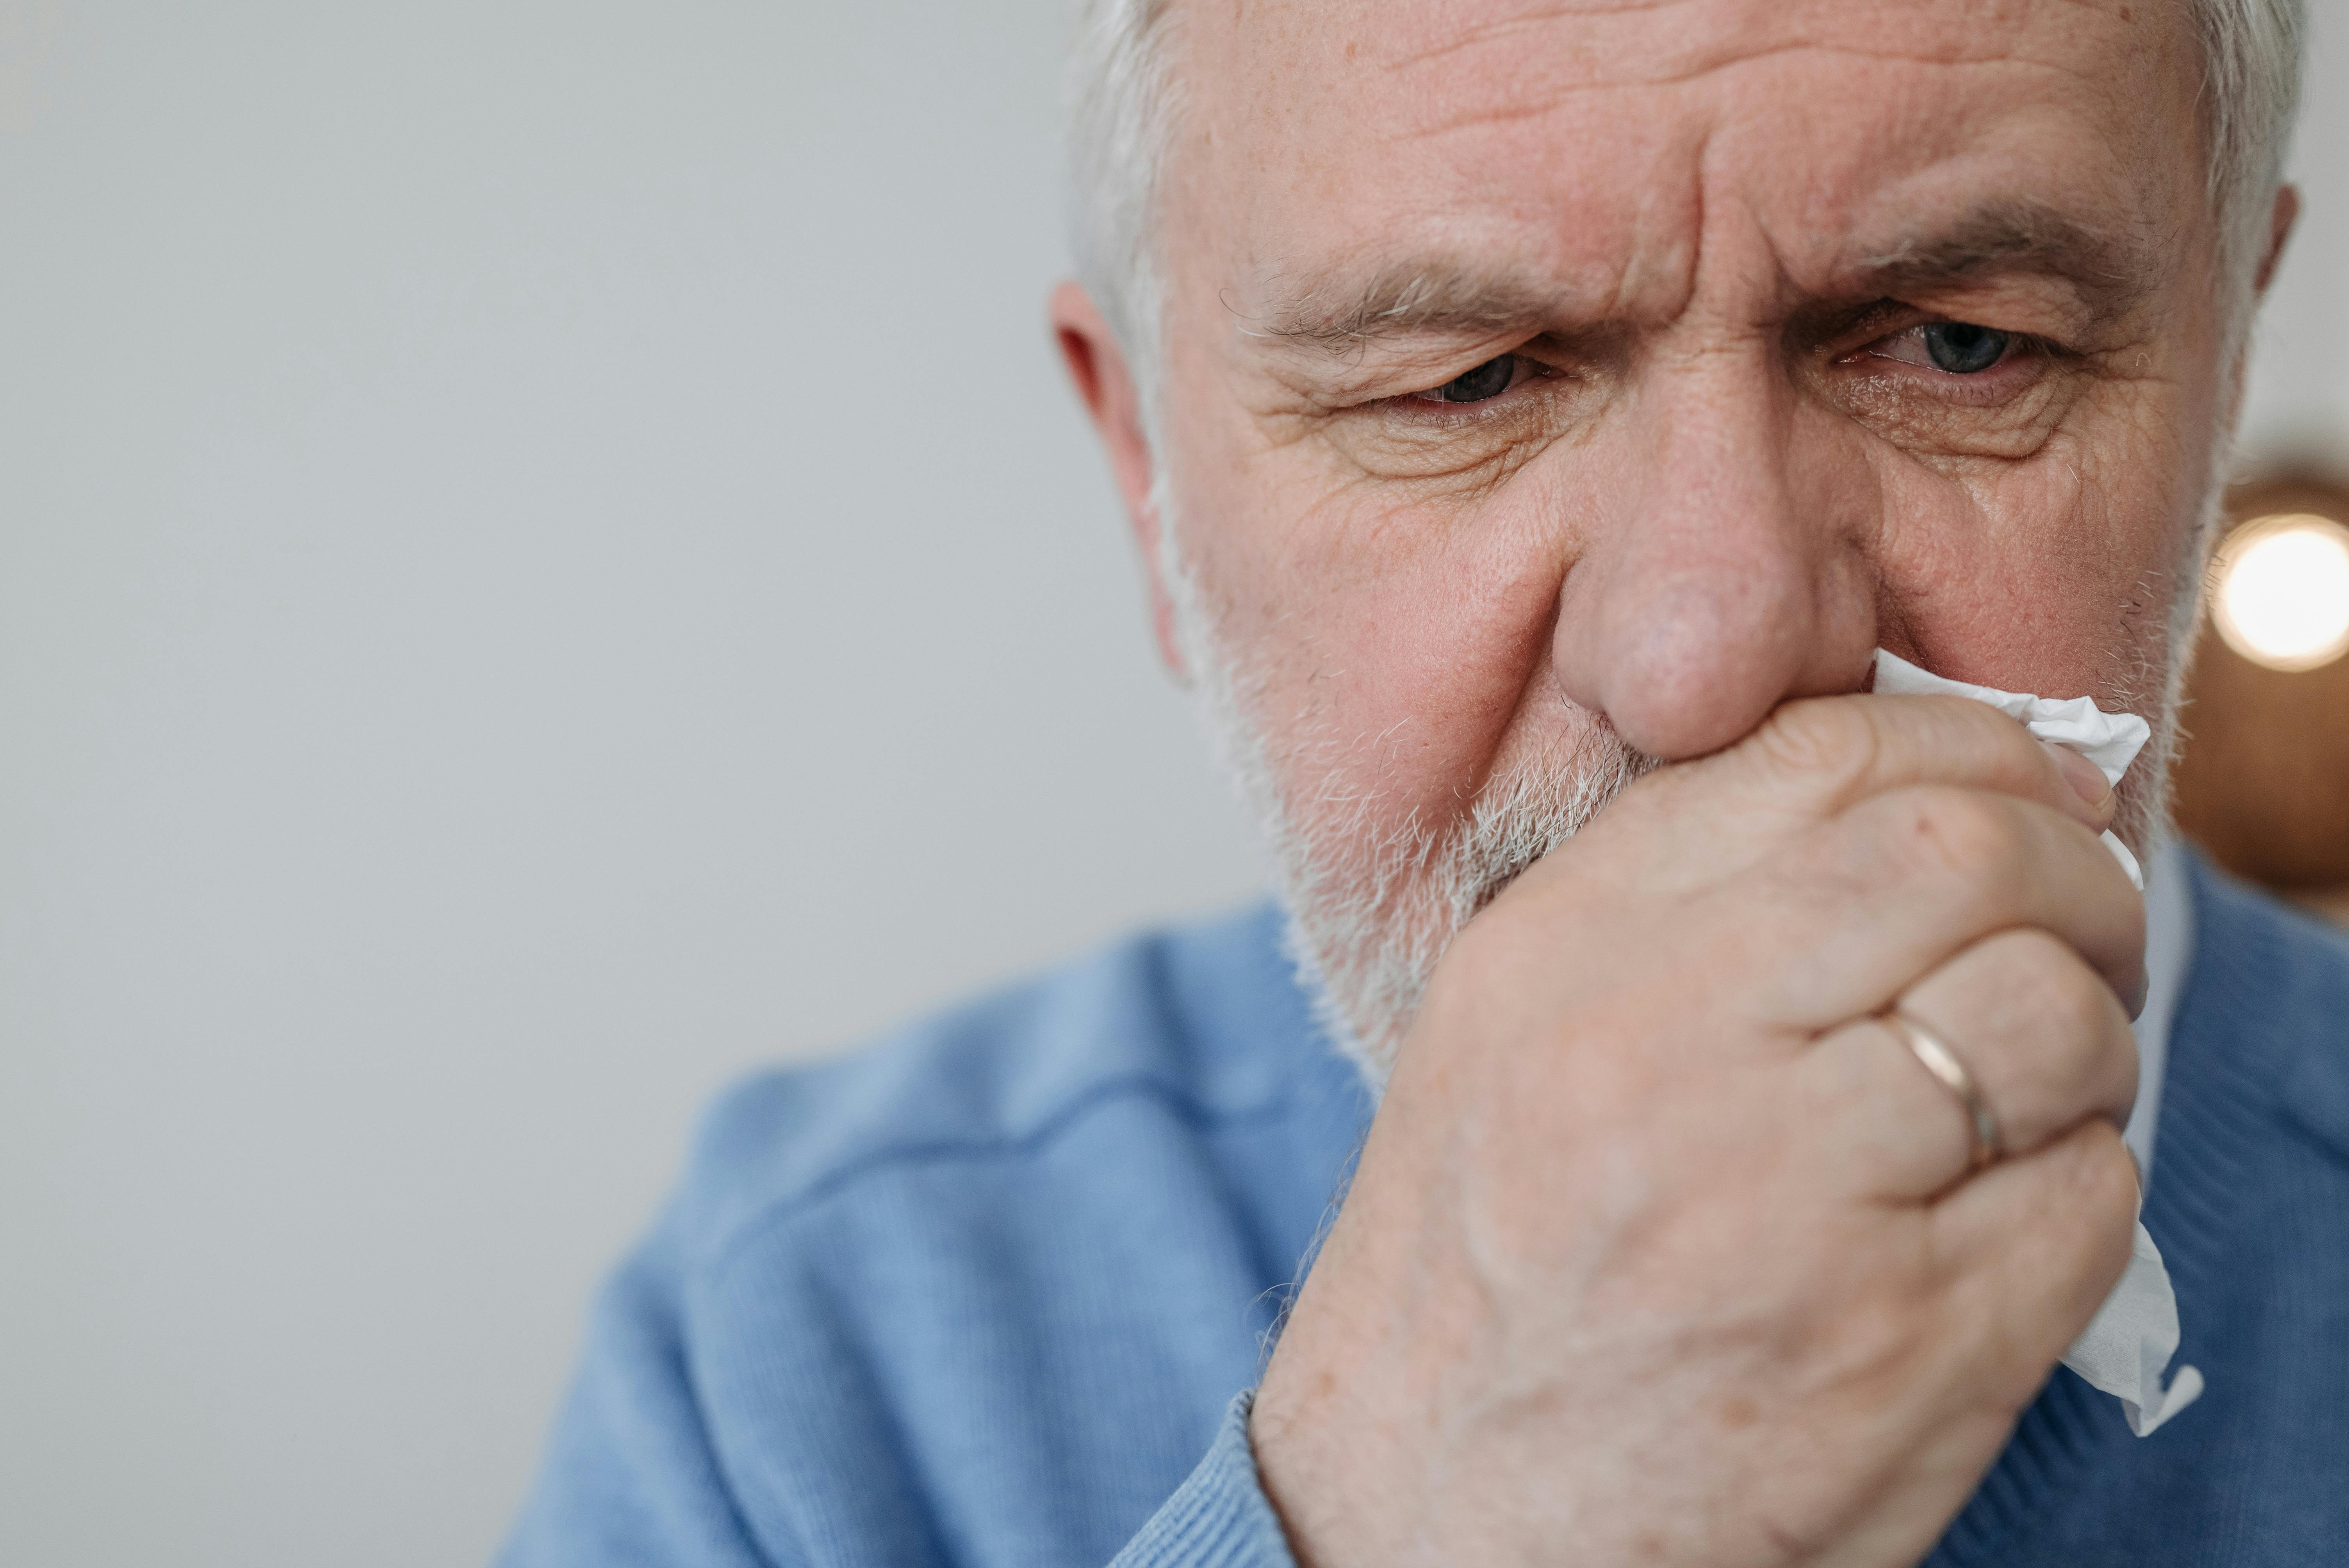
1661,1250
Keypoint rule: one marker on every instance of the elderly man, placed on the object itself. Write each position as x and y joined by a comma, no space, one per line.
1695,1078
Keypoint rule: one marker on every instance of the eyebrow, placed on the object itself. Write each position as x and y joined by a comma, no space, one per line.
1448,296
2110,271
1406,299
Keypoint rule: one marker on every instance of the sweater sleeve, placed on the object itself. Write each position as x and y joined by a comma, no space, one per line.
1219,1518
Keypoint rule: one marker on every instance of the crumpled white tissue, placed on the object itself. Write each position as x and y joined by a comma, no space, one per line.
2110,740
2128,1344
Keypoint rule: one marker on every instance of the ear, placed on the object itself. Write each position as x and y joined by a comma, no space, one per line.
2280,223
1104,383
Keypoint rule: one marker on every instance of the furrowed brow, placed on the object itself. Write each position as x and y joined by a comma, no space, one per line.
1344,311
1338,314
2109,271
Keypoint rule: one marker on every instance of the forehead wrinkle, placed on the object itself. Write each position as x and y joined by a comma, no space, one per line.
1536,62
1593,37
1728,60
1525,21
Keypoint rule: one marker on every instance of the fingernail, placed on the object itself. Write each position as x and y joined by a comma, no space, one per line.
2087,779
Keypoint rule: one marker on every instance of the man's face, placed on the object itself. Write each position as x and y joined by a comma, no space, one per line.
1553,389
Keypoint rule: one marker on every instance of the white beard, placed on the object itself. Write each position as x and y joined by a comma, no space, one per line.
1371,911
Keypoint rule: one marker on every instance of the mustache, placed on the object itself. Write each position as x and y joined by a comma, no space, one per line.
1538,814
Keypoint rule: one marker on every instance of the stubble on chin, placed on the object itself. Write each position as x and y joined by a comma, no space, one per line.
1375,886
1370,911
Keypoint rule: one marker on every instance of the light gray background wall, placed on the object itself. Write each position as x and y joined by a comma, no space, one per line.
543,561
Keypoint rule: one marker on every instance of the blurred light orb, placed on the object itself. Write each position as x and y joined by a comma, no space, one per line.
2282,592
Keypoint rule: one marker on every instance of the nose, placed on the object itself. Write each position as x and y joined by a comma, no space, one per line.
1727,573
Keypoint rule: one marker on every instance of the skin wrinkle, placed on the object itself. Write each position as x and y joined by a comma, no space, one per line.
1508,28
1700,195
1683,79
1511,25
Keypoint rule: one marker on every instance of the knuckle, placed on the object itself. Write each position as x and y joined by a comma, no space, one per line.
2042,976
2042,992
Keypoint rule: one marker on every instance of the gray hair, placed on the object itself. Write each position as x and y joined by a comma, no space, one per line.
1123,99
2252,55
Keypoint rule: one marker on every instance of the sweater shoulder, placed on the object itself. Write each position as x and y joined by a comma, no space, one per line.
1205,1018
2272,982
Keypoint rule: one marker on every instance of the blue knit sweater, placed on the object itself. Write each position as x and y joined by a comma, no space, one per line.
991,1291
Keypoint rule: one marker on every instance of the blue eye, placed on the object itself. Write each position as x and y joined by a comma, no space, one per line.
1489,379
1962,348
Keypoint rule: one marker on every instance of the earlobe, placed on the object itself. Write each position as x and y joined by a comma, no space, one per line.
2280,219
1098,368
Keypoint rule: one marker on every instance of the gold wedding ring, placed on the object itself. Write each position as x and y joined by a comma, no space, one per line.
1934,1055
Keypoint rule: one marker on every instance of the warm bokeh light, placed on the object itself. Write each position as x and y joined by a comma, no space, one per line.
2282,592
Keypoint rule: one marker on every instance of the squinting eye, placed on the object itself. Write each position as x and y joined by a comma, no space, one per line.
1952,347
1488,381
1962,348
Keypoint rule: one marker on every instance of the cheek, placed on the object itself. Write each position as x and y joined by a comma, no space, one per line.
1392,647
2052,575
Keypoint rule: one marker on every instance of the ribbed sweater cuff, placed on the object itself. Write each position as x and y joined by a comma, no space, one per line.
1219,1518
